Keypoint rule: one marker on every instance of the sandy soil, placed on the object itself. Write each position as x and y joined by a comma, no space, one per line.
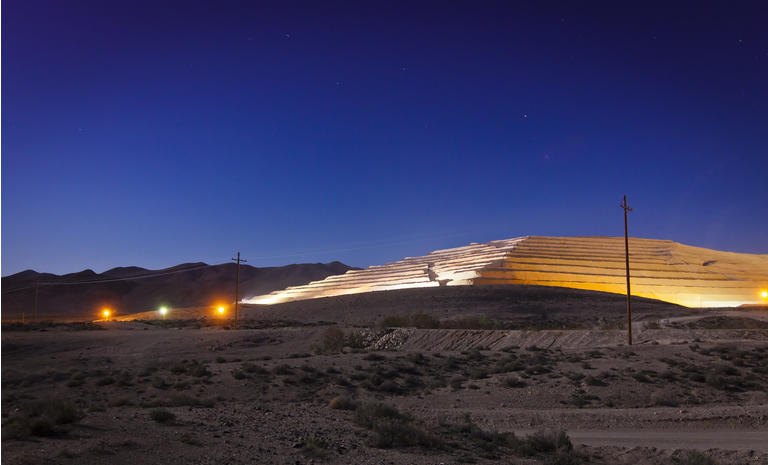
265,394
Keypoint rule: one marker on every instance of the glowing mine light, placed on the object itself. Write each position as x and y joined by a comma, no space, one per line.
106,313
221,310
764,294
163,310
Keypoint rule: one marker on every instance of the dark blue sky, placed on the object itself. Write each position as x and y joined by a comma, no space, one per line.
154,133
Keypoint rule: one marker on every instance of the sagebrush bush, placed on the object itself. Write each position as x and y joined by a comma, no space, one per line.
342,403
392,428
332,340
163,416
42,418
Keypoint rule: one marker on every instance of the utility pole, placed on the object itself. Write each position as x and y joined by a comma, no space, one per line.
37,284
626,251
237,283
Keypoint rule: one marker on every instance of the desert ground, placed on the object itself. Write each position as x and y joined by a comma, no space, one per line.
507,374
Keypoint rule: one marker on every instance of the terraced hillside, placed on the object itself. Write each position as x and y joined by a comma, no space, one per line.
660,269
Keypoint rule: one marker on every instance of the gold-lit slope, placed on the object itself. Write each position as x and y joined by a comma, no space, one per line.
664,270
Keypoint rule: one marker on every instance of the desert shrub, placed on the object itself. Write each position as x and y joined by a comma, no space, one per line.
391,428
342,403
190,440
162,416
545,443
315,448
469,436
42,418
368,414
655,324
199,371
120,402
254,369
664,399
574,376
306,379
356,340
451,364
105,381
67,454
457,383
390,387
374,357
396,433
282,369
238,374
593,381
642,377
416,358
513,382
75,382
394,321
387,373
581,399
424,321
413,382
332,340
221,360
693,457
668,375
159,383
342,381
477,373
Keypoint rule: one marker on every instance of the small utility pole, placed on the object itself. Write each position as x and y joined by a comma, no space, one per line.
37,284
237,283
626,250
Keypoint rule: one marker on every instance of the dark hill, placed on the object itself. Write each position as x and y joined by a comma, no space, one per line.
134,289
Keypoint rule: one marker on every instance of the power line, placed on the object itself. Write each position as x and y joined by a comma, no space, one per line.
107,280
164,273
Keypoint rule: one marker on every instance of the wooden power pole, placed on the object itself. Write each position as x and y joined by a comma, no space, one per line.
37,285
626,251
237,283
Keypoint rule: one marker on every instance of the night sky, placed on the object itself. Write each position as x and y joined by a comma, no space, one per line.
156,133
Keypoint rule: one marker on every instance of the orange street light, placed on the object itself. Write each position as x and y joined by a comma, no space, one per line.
106,313
163,311
764,294
221,309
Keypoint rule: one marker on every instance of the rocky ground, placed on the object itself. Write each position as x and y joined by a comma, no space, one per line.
287,392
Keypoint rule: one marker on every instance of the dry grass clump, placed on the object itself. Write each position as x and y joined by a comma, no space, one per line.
392,428
693,457
315,448
342,403
163,416
42,418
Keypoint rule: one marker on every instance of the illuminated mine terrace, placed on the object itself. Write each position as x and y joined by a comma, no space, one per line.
664,270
